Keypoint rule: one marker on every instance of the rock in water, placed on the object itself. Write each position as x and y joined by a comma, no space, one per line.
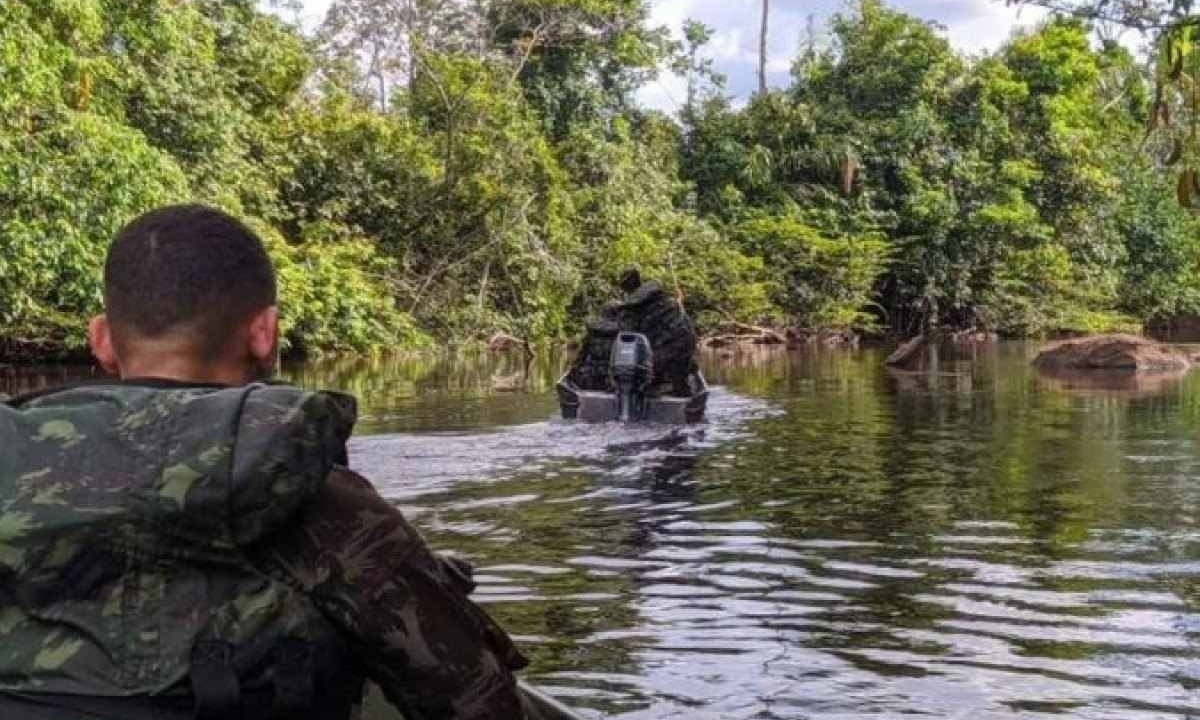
1112,352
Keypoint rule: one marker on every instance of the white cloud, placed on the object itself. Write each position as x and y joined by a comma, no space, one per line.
990,25
668,93
310,17
672,14
314,11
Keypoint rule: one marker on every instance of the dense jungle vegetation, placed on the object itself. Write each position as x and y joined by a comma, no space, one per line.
427,171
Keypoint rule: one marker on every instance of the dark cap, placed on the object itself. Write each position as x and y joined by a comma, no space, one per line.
631,280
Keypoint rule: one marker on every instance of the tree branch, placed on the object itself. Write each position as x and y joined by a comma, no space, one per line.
533,41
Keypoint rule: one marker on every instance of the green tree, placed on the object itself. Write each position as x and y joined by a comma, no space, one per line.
579,61
697,71
818,279
111,108
1173,28
425,169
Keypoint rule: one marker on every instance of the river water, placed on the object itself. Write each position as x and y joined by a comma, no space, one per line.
838,541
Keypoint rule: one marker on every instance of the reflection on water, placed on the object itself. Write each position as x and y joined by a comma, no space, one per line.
428,394
1113,381
839,541
19,380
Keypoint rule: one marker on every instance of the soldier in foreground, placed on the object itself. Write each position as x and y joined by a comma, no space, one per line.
188,542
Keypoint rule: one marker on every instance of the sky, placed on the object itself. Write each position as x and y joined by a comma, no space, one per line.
971,25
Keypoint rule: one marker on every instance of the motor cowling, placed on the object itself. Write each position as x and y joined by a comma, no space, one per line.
631,368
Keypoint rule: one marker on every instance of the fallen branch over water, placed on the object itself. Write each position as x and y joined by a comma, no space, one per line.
735,333
732,333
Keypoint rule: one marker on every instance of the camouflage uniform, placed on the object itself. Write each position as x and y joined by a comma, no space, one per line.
169,547
590,370
652,312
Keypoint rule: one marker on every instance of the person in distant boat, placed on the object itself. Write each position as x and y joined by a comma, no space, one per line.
187,541
647,309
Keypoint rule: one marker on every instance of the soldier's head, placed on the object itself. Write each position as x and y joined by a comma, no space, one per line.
631,280
189,294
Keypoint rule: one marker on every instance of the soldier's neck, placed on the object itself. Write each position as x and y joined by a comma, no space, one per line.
165,362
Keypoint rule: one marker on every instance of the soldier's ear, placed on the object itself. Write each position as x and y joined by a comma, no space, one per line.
101,342
264,335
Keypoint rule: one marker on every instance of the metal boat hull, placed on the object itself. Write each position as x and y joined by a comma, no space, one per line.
598,407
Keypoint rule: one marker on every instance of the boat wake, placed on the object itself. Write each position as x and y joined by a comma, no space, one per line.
407,466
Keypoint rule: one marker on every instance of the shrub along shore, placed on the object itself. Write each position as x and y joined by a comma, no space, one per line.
473,168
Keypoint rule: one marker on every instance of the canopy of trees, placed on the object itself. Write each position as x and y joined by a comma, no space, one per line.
438,170
1172,29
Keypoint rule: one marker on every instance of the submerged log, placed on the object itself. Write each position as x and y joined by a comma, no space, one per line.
762,335
503,342
720,341
737,333
826,338
838,339
973,337
1128,353
910,355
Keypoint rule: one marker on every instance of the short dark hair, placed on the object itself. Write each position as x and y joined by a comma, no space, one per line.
186,266
631,280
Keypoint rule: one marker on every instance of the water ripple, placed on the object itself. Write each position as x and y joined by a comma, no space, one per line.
844,549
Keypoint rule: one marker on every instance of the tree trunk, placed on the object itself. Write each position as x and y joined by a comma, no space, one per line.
689,106
376,69
762,47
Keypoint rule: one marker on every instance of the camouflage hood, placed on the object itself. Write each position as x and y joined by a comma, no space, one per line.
649,292
651,311
123,511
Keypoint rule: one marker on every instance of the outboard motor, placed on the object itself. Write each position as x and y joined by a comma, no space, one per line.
631,367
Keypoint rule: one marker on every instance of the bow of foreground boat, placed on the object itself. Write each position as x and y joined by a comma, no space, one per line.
538,705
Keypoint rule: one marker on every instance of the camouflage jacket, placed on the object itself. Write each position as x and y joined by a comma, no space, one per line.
140,526
651,311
